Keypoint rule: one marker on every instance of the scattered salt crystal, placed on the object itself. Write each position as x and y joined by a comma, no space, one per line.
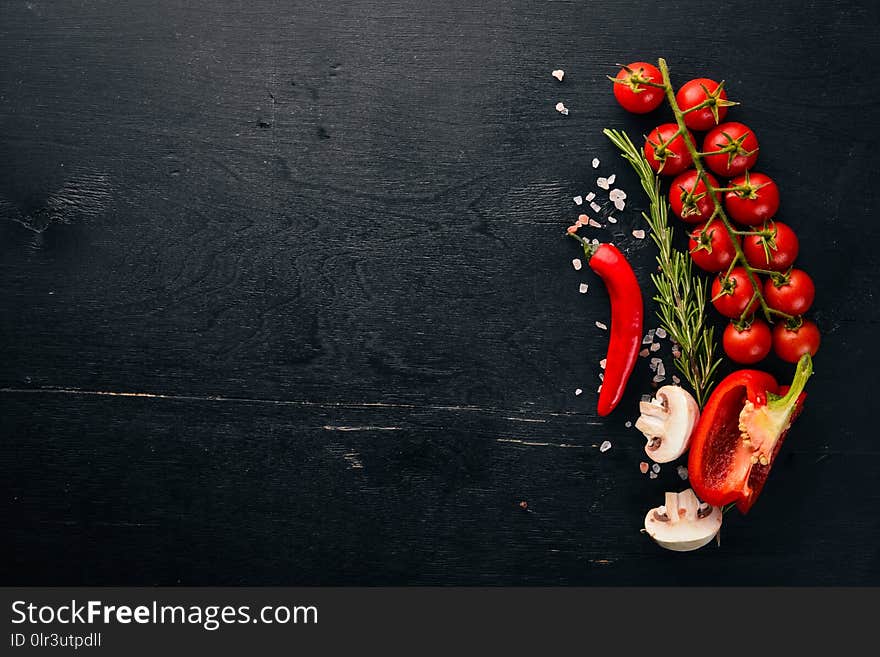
652,475
599,389
661,368
582,220
577,264
611,178
601,326
611,220
562,109
603,362
644,353
658,379
676,380
682,472
655,346
605,446
583,287
616,193
649,337
620,205
595,224
643,467
595,242
602,183
577,392
653,365
578,200
558,74
655,468
572,229
655,360
601,376
661,332
639,234
591,196
596,207
595,162
628,424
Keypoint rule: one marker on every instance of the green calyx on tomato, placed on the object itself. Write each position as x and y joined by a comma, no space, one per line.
703,102
740,432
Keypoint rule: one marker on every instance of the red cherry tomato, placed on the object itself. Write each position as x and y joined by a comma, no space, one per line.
776,253
712,249
666,155
690,199
756,203
794,296
733,294
697,91
634,96
735,147
747,345
792,343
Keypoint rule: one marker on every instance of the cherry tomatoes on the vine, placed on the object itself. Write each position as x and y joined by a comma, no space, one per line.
749,344
632,94
756,202
733,147
690,198
793,296
777,252
792,343
712,249
733,296
666,151
695,92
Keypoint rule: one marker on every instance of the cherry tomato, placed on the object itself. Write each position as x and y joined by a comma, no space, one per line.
690,200
693,93
780,252
749,344
794,296
712,249
792,343
636,97
756,203
736,149
732,295
667,155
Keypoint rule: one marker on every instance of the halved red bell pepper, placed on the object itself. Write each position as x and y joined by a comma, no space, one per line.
739,434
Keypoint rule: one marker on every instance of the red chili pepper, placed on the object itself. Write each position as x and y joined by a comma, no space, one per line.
626,319
739,433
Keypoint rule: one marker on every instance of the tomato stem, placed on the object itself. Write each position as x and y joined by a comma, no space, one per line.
718,212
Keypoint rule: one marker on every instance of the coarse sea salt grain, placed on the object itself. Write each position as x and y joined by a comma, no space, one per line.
605,446
602,183
639,234
590,196
649,337
578,200
643,467
644,353
595,162
661,332
619,205
581,220
611,220
595,224
675,379
601,326
562,109
658,379
628,424
577,392
652,475
577,264
661,368
655,467
558,74
682,472
611,178
655,346
583,287
603,362
596,207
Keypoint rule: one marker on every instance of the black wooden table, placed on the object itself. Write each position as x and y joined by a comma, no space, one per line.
286,300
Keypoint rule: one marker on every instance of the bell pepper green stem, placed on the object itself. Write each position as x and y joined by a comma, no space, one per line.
803,372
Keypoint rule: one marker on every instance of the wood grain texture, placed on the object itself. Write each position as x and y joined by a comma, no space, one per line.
322,242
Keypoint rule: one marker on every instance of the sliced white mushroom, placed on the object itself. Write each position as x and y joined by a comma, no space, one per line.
683,523
667,421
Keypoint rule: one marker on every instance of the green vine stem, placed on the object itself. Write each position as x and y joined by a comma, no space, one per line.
714,193
681,296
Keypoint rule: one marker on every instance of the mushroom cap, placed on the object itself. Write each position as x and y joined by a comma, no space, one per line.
671,417
678,524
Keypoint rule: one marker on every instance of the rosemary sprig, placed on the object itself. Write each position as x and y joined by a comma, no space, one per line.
681,296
